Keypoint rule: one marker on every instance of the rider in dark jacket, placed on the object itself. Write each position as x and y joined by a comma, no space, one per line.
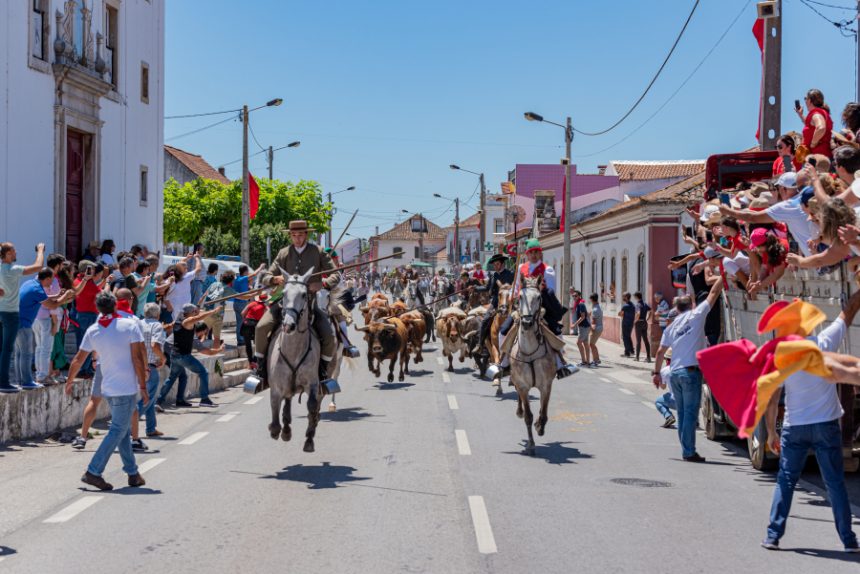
498,274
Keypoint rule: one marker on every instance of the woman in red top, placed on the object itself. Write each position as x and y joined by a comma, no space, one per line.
818,125
85,304
767,260
785,146
251,315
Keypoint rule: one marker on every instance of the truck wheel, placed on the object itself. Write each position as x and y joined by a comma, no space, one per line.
760,457
714,430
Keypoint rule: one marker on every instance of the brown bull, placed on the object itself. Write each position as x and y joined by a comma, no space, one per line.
377,308
398,308
416,328
450,329
387,340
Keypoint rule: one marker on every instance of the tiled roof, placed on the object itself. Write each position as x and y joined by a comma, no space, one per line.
471,221
198,166
645,170
684,191
403,232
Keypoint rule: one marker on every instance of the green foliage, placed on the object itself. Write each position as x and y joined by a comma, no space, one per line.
209,211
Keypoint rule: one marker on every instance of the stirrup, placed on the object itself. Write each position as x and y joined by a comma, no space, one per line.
351,352
329,387
566,371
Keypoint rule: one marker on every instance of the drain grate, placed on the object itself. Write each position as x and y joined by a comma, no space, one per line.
641,482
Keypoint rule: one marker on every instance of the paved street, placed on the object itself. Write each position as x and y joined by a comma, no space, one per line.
421,476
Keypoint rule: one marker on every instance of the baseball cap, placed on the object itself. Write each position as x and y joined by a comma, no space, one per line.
710,252
758,237
708,211
807,194
788,179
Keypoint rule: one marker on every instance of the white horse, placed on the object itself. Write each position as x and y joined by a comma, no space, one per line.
327,301
294,360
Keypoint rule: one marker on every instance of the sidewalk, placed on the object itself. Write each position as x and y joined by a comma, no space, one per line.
610,355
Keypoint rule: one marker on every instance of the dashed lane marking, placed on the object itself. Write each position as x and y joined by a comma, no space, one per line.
452,403
649,405
149,464
254,400
481,522
193,438
226,418
462,442
604,379
446,378
625,377
626,392
73,509
441,361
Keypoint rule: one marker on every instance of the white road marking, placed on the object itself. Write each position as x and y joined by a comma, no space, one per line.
446,378
604,379
193,438
625,377
149,464
73,509
441,361
462,442
452,403
226,418
255,400
649,405
626,392
481,522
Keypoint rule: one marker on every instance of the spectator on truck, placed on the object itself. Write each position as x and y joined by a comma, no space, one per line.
833,215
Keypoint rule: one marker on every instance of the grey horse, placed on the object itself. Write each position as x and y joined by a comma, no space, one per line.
532,361
294,360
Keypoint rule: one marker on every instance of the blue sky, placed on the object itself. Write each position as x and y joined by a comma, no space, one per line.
385,94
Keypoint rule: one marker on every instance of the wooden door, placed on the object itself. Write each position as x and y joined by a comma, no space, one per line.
74,194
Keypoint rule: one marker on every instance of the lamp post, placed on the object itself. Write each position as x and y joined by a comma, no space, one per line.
272,156
456,201
246,194
331,214
568,140
482,209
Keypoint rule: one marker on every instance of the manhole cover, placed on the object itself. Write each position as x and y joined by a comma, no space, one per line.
641,482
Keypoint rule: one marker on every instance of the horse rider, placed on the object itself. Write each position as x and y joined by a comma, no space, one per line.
553,310
342,310
498,274
297,259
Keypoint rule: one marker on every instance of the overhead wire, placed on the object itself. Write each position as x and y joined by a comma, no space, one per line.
254,136
201,115
842,25
198,130
675,93
650,84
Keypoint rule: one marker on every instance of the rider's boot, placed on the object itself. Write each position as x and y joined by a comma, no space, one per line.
262,373
563,369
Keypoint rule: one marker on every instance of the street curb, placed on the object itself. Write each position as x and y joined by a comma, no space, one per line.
606,349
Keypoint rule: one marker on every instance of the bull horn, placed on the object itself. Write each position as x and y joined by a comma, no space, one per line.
469,335
389,327
362,329
362,308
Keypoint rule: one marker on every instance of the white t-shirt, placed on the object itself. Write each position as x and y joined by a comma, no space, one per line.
809,399
180,294
686,336
113,345
666,374
791,213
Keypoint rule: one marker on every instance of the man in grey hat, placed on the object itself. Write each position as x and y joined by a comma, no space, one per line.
498,275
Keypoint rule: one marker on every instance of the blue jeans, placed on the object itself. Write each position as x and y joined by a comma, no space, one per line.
85,320
25,348
119,435
687,389
238,307
665,403
8,334
796,441
148,409
196,290
178,364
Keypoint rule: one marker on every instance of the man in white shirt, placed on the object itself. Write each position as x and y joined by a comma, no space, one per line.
179,294
686,337
811,422
119,343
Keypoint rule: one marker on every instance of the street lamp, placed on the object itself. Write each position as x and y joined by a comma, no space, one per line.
331,213
568,139
271,155
482,225
246,194
456,201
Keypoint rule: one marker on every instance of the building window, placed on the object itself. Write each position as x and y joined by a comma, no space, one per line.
112,44
417,252
582,276
640,273
78,32
144,82
419,225
602,276
39,30
499,225
593,276
144,185
612,279
624,274
398,252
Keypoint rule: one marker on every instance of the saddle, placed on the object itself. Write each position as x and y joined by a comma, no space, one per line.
555,342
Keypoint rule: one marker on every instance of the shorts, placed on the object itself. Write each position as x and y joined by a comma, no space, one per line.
595,335
582,335
97,384
739,263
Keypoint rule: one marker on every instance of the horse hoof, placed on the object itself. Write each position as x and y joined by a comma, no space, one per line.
274,431
309,445
391,378
401,378
286,434
499,391
332,408
520,414
540,430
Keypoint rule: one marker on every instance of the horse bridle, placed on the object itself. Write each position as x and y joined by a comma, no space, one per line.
297,315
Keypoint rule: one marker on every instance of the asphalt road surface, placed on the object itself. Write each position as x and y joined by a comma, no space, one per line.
426,475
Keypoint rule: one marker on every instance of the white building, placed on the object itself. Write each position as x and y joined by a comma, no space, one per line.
406,239
81,123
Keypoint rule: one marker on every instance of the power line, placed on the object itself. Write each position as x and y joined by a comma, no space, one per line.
846,8
842,25
253,135
200,129
201,115
650,84
675,93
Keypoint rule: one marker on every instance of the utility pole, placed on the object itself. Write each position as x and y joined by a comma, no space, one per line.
769,130
246,196
330,220
271,161
566,275
421,238
456,231
482,229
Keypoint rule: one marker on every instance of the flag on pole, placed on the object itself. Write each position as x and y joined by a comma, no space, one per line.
254,193
758,32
